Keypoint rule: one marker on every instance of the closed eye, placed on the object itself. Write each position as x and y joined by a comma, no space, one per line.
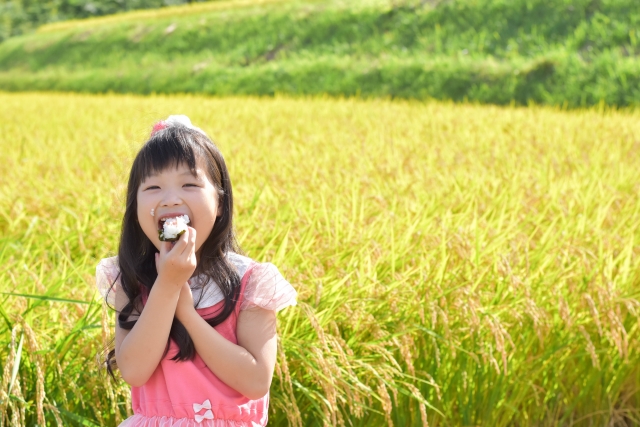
191,185
151,187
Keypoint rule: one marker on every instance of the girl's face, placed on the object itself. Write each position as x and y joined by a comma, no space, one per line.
174,192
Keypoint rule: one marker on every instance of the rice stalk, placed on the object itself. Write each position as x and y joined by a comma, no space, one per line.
456,264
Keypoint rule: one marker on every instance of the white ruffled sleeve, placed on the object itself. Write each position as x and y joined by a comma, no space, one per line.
266,288
107,274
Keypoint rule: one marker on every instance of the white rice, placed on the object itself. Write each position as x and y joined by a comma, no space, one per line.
172,227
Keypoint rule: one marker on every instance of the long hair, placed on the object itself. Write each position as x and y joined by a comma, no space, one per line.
170,147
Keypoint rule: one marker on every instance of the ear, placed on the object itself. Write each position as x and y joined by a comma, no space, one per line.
219,207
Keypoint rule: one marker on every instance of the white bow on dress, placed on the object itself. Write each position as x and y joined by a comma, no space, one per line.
207,415
205,405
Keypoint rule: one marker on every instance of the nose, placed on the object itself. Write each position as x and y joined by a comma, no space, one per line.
170,199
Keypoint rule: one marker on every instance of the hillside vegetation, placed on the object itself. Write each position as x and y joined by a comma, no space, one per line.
455,265
24,16
565,52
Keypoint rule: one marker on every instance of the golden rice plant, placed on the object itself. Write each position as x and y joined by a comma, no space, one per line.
456,264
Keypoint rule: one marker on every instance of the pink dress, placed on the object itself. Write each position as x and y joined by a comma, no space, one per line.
189,394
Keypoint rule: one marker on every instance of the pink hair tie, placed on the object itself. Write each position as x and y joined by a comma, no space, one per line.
159,126
179,120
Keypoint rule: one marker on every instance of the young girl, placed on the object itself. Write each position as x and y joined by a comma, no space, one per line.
196,321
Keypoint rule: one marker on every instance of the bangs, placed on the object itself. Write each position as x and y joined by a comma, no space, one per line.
166,148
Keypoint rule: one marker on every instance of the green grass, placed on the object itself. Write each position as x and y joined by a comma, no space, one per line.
479,264
25,16
573,53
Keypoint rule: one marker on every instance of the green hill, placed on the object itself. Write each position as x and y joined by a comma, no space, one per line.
565,52
24,16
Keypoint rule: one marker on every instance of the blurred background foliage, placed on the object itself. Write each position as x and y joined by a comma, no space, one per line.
23,16
571,53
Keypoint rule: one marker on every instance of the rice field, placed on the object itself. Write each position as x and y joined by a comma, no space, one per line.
456,264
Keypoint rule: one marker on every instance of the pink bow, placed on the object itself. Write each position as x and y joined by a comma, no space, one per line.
207,415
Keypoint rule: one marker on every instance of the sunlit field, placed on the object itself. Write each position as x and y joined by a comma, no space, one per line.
456,264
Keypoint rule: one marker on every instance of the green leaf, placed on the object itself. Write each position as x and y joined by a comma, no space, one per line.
46,298
5,316
79,418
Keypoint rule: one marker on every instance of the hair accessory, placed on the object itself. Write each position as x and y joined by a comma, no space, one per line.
159,126
153,212
178,119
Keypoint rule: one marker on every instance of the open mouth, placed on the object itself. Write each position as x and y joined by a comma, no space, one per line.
171,228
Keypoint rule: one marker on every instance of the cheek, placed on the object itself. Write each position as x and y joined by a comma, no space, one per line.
145,219
145,204
140,213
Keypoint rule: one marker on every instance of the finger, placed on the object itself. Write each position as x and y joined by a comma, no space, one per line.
191,247
165,247
182,242
177,246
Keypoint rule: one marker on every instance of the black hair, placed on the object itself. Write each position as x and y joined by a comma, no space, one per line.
172,146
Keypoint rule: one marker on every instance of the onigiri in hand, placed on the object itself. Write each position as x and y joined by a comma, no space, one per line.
172,228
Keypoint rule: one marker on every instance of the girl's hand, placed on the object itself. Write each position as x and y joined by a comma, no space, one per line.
185,301
177,261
